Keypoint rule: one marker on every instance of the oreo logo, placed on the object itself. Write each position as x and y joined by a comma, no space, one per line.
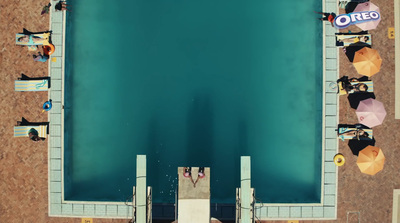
345,20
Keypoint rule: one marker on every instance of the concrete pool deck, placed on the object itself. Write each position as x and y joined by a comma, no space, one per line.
27,167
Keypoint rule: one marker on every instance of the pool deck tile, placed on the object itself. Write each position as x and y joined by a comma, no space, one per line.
329,212
284,212
56,96
124,211
329,200
273,212
55,130
306,212
112,210
66,209
330,99
100,210
331,144
88,209
55,198
331,75
330,121
55,164
330,189
55,176
330,178
57,28
55,73
295,212
330,133
55,187
55,141
330,110
56,84
77,209
56,108
318,212
329,156
330,167
55,153
55,209
55,118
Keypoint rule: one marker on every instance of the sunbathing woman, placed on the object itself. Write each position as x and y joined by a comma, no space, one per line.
355,134
351,86
25,39
363,39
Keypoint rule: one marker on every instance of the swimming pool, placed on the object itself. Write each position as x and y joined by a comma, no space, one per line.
195,84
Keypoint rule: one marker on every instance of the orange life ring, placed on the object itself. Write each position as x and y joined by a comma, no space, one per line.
49,49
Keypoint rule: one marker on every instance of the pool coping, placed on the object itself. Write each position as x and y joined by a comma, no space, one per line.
325,210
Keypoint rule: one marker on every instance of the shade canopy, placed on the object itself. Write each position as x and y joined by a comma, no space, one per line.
370,160
367,61
371,112
367,6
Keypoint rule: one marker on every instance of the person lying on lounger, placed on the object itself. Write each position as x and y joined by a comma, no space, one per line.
34,135
25,39
363,39
351,85
355,133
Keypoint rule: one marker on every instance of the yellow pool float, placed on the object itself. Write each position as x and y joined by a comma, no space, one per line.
339,160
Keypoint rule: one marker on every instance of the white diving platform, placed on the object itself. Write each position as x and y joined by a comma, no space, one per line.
194,202
142,198
245,194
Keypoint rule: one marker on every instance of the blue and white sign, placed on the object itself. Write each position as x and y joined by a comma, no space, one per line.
344,20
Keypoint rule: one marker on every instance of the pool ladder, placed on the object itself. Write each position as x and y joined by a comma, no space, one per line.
238,215
149,204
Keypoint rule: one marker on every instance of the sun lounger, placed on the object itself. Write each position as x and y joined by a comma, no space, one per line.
347,39
31,85
22,131
342,91
348,129
43,41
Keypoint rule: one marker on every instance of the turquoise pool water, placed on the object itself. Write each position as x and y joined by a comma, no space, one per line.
193,83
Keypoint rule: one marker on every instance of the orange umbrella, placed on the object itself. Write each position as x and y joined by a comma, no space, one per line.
367,61
370,160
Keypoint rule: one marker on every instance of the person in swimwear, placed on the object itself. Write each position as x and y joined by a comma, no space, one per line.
330,17
187,173
200,175
25,39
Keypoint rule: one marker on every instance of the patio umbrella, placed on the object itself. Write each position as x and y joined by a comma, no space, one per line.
367,6
353,48
355,98
371,112
356,145
370,160
367,61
